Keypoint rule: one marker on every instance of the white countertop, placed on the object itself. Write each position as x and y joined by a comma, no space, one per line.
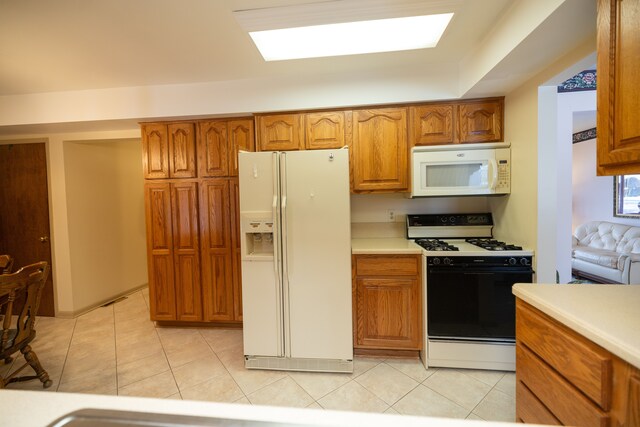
608,315
390,245
37,409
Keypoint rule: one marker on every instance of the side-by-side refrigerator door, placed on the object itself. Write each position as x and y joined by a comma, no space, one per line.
261,269
317,254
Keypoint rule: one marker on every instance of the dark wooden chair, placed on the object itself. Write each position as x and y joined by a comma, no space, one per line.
6,262
23,288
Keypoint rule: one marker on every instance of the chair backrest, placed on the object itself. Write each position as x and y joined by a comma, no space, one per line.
6,262
25,285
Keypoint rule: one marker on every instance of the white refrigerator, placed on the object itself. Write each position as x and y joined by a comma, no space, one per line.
296,260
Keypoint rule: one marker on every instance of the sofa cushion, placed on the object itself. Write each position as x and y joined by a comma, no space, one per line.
601,257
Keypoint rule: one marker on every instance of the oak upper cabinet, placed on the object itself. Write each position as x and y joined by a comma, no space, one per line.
173,250
480,121
618,43
431,124
280,132
387,302
216,250
379,152
213,149
169,150
155,150
324,130
241,137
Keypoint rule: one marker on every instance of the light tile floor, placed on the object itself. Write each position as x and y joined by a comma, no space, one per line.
117,350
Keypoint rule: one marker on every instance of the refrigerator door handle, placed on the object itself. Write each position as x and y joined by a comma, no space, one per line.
285,253
277,251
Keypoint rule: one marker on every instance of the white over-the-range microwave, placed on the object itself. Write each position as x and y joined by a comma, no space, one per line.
461,170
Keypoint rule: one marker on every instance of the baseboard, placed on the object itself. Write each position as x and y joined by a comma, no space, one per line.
85,310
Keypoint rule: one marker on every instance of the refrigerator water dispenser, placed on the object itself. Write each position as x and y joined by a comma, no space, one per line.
257,232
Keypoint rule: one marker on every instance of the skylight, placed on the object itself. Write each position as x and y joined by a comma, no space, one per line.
350,38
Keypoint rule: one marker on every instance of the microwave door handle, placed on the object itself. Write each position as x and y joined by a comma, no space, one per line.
494,173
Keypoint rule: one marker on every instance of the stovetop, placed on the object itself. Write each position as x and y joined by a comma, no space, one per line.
459,235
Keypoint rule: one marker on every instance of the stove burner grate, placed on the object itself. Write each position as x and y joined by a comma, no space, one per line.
435,245
493,245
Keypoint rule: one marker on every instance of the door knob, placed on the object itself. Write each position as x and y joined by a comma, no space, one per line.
44,239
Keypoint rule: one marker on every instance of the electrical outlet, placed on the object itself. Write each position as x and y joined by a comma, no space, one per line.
391,215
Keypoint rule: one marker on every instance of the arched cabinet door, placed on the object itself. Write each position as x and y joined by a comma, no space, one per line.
480,121
324,130
280,132
379,150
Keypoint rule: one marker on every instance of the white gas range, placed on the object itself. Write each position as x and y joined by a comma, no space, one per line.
469,311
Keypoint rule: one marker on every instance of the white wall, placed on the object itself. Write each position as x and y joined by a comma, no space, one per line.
592,194
105,209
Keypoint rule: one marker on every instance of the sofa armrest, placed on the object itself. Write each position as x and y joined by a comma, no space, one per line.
574,241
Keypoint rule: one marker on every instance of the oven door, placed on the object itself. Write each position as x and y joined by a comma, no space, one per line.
473,303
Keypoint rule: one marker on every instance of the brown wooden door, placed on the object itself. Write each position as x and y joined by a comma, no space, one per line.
213,149
324,130
280,132
155,150
24,211
215,231
379,150
235,252
480,121
241,137
431,124
186,249
618,80
182,150
162,293
388,312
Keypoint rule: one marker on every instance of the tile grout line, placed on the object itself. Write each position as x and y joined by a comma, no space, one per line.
225,367
66,356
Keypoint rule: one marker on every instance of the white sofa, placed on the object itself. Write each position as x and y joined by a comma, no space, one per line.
606,252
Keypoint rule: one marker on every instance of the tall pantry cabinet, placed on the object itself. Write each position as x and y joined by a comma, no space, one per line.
193,246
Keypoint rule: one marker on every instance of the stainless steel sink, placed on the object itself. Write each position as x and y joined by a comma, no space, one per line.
112,418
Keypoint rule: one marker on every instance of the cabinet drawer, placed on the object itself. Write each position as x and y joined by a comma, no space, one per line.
581,362
530,410
387,265
563,400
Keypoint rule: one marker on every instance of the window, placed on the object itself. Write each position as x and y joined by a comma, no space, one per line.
626,196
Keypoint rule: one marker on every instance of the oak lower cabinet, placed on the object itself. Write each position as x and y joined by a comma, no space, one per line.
379,150
218,255
562,378
387,302
193,250
618,45
173,250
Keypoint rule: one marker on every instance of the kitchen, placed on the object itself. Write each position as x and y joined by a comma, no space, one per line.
512,214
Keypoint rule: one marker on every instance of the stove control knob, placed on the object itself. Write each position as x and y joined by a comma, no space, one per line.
447,261
524,261
512,261
452,219
436,261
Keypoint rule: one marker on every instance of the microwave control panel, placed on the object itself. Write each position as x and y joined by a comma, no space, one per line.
504,172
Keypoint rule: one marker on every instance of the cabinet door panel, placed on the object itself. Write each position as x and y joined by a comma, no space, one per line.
618,72
432,124
280,132
241,137
480,121
186,251
216,249
379,150
235,251
324,130
160,251
155,151
388,312
182,150
213,149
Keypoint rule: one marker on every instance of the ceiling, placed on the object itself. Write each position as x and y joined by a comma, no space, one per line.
70,46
